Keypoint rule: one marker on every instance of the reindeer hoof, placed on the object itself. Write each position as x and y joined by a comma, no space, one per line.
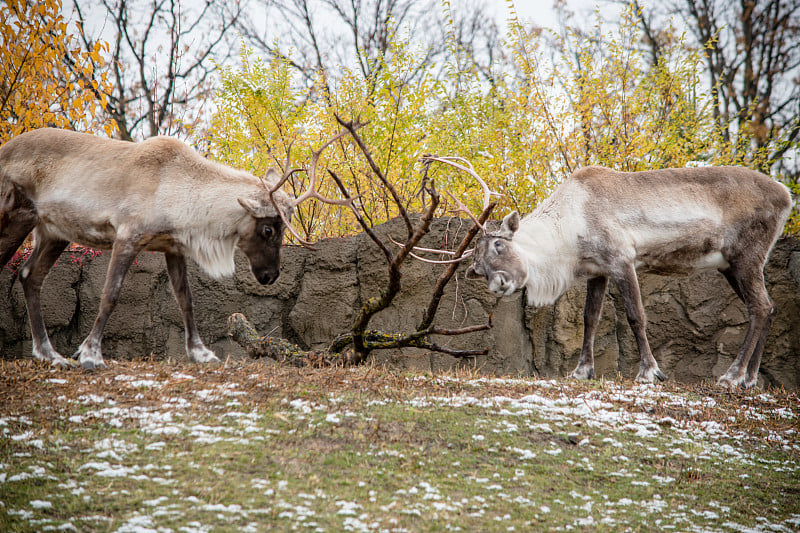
582,373
62,362
94,365
727,383
730,380
650,375
203,355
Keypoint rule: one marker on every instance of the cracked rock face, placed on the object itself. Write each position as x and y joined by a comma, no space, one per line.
695,324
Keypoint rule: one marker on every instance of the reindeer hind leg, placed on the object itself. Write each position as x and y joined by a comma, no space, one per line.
751,377
17,219
748,283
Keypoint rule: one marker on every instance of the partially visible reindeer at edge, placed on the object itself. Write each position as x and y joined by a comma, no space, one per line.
157,195
602,224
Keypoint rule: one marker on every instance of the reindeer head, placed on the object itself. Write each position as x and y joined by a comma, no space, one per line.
496,258
261,234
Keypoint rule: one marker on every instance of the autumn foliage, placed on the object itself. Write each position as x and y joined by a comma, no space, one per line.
592,101
554,103
45,79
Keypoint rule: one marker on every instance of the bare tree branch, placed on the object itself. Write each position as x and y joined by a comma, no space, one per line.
159,65
752,52
363,339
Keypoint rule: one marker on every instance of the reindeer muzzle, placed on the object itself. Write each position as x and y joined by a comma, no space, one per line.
267,276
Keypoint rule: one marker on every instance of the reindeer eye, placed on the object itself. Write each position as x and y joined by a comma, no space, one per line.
498,245
267,232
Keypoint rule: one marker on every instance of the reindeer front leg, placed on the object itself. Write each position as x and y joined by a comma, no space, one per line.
595,291
32,276
195,349
123,253
628,286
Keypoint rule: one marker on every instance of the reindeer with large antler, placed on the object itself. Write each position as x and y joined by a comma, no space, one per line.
601,224
157,195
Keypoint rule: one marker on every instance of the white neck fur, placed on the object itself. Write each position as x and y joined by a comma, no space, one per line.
549,255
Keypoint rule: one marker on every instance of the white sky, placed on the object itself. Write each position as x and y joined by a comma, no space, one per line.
541,13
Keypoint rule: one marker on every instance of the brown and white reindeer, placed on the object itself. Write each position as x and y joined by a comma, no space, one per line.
157,195
601,224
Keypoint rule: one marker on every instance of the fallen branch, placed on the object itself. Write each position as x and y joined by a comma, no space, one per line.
241,331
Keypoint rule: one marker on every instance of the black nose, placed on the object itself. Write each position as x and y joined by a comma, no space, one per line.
267,277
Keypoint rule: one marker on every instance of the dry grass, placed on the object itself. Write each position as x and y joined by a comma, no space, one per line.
24,389
162,445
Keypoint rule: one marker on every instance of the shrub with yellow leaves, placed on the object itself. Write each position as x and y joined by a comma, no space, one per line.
593,101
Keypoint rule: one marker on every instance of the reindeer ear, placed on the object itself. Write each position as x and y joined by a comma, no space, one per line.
272,176
510,224
6,199
257,207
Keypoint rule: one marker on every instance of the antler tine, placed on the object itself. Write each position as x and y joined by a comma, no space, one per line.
465,255
286,174
287,171
464,209
439,261
295,233
467,167
456,162
312,177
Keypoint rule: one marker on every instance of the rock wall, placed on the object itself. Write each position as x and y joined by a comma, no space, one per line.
695,325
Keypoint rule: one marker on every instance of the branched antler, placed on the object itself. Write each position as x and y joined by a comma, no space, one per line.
456,258
364,340
444,279
311,191
463,253
462,164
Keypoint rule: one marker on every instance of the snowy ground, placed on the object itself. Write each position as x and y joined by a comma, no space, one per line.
164,447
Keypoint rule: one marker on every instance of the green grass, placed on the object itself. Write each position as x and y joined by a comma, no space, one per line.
252,447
